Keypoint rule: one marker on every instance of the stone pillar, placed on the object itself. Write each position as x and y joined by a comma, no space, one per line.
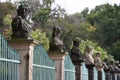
90,68
112,75
99,72
118,76
59,58
107,74
25,49
100,75
78,73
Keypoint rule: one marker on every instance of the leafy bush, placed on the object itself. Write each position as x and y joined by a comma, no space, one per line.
97,48
41,38
115,50
7,32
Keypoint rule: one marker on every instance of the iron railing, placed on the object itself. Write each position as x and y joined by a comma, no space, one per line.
69,69
9,61
43,66
84,72
95,74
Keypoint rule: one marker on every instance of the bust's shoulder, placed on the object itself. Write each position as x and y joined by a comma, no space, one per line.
17,17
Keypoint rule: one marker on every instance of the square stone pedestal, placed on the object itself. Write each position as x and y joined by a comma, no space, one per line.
25,49
59,58
77,64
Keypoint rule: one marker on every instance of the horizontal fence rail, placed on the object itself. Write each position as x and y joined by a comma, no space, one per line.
69,69
9,61
43,66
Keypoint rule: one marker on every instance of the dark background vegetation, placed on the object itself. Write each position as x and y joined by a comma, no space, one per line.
99,27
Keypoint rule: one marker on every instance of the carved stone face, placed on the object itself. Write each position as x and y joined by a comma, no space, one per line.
23,11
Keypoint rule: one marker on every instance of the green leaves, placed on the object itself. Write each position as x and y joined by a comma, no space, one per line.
105,18
42,16
5,9
116,50
41,38
7,20
96,47
7,32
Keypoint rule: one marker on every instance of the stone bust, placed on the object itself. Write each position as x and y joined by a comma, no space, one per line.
117,69
75,53
22,25
56,43
88,58
112,66
98,62
105,64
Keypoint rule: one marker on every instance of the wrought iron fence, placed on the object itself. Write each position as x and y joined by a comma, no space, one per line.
43,66
69,69
95,74
9,61
84,72
103,75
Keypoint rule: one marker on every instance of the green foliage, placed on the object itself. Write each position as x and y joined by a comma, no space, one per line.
42,11
110,58
7,32
102,51
102,25
7,20
74,26
97,48
85,12
48,17
41,38
42,16
105,18
116,50
5,8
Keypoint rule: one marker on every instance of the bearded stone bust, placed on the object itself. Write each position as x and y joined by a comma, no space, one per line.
75,52
22,24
